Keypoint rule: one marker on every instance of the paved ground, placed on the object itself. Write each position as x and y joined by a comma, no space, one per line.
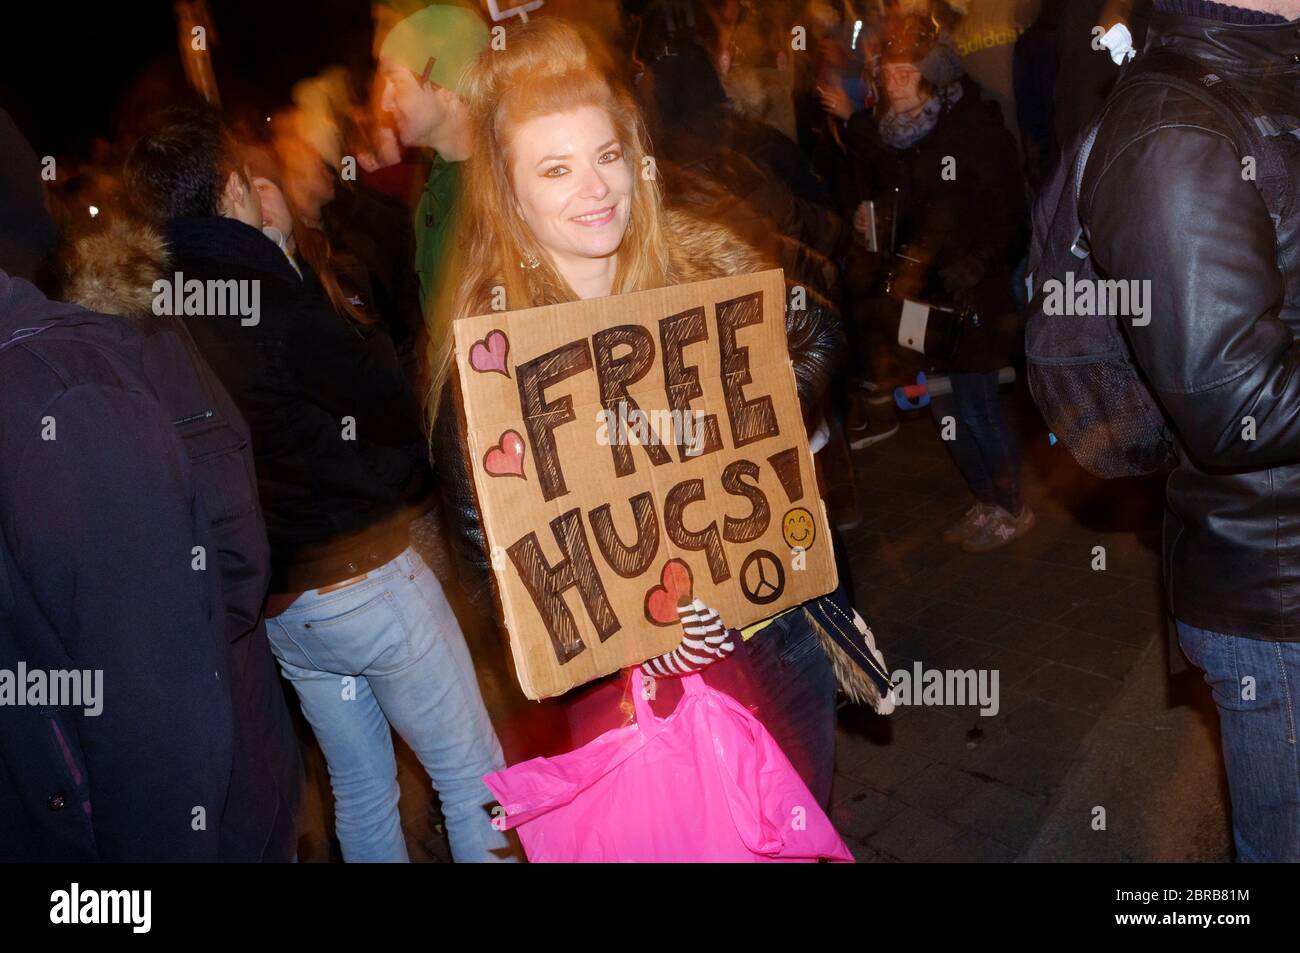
1088,719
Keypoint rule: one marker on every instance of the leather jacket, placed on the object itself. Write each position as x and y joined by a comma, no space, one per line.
1165,199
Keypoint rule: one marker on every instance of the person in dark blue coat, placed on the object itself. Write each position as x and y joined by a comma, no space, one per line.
133,566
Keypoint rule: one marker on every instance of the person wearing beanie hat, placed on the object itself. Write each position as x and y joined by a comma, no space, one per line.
420,62
941,169
922,77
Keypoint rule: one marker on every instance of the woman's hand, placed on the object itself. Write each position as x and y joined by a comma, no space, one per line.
835,101
706,641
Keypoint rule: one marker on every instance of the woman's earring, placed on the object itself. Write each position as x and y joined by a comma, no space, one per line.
529,261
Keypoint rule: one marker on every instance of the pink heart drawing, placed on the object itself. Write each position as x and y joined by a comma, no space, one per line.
507,457
674,589
490,353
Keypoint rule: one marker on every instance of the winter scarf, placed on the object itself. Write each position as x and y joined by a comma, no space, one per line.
904,130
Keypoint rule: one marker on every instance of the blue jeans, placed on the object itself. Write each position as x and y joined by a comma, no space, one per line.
1256,688
796,691
984,447
387,651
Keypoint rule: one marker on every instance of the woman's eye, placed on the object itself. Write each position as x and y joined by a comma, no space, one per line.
613,155
555,171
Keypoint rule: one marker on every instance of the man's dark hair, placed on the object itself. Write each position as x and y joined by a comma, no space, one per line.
180,168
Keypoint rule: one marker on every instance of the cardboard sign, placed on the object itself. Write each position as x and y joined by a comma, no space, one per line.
631,453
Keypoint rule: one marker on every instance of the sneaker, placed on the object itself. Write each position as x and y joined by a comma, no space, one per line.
867,425
971,523
875,394
1001,529
865,433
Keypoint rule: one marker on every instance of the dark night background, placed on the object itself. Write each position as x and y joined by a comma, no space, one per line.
66,69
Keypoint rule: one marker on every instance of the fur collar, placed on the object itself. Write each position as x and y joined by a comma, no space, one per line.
699,250
112,270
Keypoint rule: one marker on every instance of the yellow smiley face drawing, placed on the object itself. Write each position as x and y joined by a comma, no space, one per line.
798,528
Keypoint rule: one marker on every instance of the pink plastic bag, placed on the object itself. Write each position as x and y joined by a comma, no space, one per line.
705,784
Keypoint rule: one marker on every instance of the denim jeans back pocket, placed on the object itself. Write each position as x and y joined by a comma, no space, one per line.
1215,654
344,636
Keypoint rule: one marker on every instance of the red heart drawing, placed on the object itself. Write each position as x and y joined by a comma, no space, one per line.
507,457
675,587
490,353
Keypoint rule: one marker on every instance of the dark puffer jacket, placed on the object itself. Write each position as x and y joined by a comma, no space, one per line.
1165,200
699,251
98,534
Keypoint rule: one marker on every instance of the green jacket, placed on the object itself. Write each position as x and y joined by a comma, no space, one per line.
435,226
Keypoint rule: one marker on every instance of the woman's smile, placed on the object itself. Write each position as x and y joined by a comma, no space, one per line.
597,219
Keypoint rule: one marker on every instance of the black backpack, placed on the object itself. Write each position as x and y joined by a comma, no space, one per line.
1081,371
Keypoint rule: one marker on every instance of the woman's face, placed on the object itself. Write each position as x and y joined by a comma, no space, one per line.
307,178
275,211
573,185
902,86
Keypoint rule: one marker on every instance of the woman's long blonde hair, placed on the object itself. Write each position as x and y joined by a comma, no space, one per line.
546,67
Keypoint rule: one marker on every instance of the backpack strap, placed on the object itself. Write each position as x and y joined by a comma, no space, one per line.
1079,247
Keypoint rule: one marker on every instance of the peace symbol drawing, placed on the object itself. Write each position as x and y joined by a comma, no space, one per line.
762,577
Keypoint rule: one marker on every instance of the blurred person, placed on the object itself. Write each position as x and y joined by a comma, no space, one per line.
729,169
324,272
1165,201
1035,71
578,222
760,75
131,546
382,164
944,174
985,34
357,620
310,182
367,232
833,80
420,60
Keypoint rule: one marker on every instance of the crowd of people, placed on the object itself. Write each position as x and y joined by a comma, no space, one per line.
281,490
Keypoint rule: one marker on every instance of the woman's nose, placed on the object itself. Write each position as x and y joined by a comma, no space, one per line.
593,185
386,98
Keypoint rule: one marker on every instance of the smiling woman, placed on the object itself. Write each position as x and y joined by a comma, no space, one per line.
563,203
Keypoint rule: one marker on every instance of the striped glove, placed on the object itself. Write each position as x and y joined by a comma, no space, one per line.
705,642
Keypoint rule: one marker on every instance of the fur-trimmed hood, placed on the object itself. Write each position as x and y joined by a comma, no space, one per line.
112,270
699,250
